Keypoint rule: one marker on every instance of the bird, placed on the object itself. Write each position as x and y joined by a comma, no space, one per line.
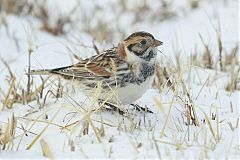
127,69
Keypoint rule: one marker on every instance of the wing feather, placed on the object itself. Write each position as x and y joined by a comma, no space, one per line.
96,66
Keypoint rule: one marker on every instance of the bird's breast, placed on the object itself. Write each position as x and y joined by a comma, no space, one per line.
141,72
128,93
133,85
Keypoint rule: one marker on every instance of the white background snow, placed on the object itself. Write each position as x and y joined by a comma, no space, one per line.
179,34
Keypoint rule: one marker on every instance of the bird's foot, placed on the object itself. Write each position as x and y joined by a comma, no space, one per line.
141,109
112,107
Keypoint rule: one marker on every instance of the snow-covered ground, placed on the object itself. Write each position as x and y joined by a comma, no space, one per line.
60,122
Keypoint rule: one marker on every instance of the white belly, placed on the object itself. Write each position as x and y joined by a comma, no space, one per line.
129,93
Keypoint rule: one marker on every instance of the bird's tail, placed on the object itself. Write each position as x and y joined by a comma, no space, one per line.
47,71
39,72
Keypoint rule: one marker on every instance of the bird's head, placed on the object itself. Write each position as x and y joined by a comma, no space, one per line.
139,46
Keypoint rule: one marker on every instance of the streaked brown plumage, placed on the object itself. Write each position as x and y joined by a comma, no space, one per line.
130,66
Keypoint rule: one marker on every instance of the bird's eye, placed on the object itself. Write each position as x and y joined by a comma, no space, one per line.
143,42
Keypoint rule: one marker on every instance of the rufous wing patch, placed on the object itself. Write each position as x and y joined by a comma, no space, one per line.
97,70
121,51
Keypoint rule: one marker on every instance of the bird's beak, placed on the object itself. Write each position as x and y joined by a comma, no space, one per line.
156,43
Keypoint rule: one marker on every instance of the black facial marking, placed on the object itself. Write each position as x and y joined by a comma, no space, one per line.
130,48
138,52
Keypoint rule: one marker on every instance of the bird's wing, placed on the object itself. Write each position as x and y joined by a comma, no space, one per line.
101,65
91,68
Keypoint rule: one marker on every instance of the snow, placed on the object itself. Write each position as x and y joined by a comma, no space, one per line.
136,135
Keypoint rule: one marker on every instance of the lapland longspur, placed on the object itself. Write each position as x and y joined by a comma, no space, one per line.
130,67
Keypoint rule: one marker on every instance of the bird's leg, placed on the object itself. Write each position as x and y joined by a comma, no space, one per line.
139,108
113,107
